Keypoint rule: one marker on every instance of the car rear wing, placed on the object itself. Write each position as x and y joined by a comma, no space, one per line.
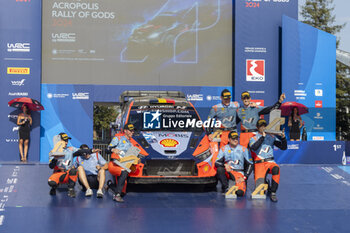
126,95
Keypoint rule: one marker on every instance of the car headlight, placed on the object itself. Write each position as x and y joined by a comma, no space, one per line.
203,156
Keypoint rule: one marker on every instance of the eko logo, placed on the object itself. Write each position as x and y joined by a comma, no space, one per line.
151,120
255,70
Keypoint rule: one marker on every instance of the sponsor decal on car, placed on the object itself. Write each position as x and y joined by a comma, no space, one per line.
169,142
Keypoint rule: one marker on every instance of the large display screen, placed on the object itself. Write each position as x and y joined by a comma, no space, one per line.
133,42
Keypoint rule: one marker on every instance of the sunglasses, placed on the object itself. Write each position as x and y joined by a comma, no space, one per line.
245,97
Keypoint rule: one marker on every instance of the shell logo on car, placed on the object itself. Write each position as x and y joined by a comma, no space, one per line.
168,142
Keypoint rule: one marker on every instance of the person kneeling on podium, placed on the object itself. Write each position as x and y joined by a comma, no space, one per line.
119,146
233,162
262,146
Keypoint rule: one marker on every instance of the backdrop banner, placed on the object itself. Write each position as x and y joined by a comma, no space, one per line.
309,76
20,72
257,47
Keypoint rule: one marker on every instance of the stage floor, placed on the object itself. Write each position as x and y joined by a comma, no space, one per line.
312,198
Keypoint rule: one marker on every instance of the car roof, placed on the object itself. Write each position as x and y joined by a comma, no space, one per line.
151,100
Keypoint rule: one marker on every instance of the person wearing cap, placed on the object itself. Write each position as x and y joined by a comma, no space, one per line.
91,170
226,113
119,146
63,170
250,113
233,162
262,145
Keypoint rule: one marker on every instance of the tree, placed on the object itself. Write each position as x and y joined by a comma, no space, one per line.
319,14
103,116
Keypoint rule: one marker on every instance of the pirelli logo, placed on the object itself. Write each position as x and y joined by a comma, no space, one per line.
18,70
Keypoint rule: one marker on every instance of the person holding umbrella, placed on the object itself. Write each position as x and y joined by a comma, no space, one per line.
24,121
294,110
294,123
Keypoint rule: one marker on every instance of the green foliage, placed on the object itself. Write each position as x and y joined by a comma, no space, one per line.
103,116
343,103
318,13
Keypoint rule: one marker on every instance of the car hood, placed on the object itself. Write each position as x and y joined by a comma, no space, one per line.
168,143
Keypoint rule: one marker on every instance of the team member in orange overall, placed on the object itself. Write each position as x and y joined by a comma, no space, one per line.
250,113
63,170
262,144
234,161
119,145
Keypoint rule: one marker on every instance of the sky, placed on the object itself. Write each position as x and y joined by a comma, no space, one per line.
342,15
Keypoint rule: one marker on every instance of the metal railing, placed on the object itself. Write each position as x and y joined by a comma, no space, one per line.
102,147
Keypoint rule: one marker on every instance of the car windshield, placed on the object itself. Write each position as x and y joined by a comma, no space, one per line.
171,118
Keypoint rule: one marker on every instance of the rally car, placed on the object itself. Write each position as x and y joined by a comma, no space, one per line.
174,147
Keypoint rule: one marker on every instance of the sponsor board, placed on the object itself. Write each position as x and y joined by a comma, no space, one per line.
18,70
255,70
18,94
15,128
18,83
18,47
80,96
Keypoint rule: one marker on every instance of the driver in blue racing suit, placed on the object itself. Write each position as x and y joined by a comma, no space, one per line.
233,162
226,113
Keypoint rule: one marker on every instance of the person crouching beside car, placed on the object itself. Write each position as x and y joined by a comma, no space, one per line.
119,146
91,170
